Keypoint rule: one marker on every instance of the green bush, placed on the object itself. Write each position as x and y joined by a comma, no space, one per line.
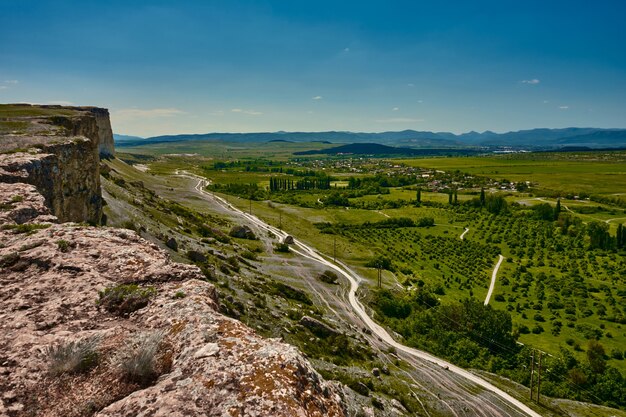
63,245
249,255
72,357
123,299
282,247
25,228
328,277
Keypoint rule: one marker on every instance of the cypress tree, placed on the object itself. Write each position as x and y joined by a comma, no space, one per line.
557,209
482,196
419,195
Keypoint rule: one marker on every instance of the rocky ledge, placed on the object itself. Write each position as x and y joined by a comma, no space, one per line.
57,149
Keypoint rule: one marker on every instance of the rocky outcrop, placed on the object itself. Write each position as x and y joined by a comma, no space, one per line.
106,147
64,352
58,151
217,367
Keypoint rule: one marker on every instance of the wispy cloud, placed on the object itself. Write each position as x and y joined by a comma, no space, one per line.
346,49
411,85
317,98
531,82
3,87
563,107
250,112
60,102
399,120
11,82
395,109
134,113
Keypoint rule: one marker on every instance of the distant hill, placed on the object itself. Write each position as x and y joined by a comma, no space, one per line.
126,138
378,149
523,139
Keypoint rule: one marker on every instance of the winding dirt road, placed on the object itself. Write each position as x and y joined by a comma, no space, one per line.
494,275
355,280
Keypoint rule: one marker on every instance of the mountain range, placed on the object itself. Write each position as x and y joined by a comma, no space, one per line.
523,139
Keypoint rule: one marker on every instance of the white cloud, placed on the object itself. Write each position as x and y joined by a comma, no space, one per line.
420,101
395,109
399,120
134,113
346,49
3,87
411,85
61,102
563,107
317,98
545,102
532,82
11,82
250,112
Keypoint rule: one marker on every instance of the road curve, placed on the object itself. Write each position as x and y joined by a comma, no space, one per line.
494,275
354,279
462,237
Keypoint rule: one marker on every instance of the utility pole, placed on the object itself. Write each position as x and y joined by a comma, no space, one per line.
539,379
532,372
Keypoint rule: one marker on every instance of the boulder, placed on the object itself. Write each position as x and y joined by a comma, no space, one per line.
172,244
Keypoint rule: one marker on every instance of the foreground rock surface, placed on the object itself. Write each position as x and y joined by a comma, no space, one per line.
217,366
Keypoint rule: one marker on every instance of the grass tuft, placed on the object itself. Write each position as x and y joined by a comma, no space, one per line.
73,357
138,361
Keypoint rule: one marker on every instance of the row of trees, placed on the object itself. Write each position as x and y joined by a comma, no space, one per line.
286,184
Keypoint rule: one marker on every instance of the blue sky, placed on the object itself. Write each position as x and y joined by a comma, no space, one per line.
165,67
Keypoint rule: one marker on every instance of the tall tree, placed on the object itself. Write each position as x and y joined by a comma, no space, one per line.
482,196
557,209
418,197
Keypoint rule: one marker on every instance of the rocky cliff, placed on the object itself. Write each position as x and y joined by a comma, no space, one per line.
57,149
98,321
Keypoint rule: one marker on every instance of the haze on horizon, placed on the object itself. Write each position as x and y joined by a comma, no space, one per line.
251,66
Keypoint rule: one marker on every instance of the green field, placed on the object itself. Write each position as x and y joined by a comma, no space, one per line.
561,292
577,173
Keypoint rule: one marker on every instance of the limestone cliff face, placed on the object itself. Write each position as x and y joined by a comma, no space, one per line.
51,276
59,153
104,133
